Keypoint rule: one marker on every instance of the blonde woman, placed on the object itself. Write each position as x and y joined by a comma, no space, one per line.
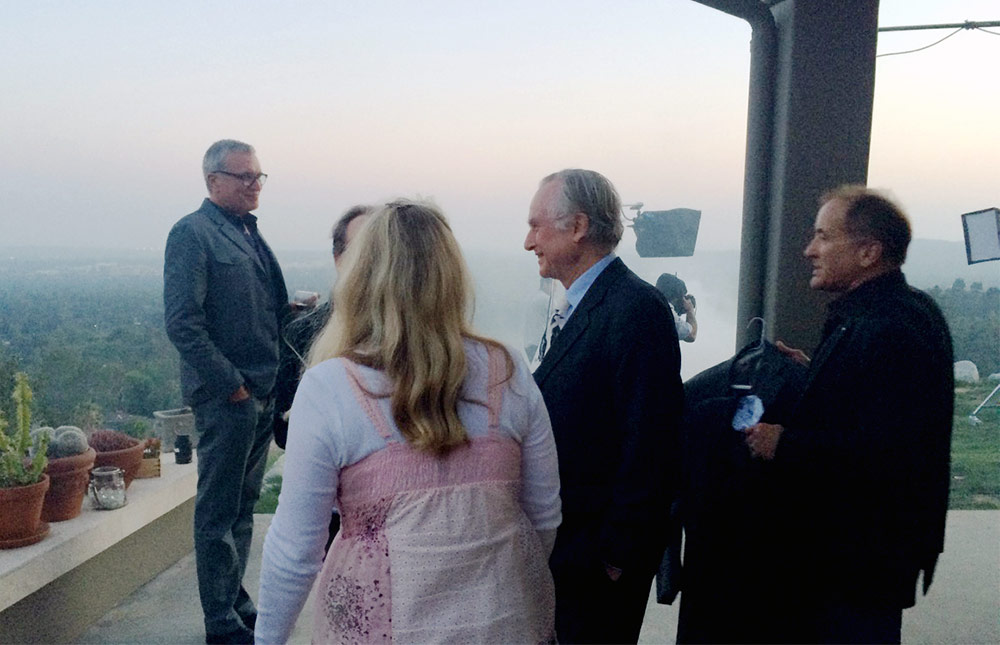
435,446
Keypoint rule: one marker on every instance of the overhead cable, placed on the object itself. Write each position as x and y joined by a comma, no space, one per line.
920,49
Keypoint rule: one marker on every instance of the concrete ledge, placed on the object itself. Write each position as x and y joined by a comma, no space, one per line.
51,591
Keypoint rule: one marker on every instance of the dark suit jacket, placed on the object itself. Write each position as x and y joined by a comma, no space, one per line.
223,305
612,387
865,458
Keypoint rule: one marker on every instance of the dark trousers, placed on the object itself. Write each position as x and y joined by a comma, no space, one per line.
232,453
591,608
845,623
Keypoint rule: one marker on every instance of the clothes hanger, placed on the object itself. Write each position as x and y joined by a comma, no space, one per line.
749,354
763,328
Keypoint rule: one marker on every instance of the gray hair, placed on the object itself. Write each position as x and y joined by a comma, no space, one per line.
218,152
871,214
590,193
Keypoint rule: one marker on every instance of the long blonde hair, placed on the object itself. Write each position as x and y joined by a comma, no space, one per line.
402,305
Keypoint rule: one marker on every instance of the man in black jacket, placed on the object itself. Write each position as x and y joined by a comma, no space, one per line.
224,297
611,383
303,324
866,456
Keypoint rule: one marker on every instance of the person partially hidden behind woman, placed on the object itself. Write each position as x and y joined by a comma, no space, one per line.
681,304
435,445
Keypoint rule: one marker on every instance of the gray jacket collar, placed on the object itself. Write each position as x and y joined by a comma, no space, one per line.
227,228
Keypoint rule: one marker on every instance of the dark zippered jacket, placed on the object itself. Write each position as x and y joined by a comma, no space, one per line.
866,456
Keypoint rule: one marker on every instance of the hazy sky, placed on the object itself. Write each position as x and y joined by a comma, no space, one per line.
107,108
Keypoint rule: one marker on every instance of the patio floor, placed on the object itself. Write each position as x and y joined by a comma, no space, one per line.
962,607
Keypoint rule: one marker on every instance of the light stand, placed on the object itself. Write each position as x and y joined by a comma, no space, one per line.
982,244
973,419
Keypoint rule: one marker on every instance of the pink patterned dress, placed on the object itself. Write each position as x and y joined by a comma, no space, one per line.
435,549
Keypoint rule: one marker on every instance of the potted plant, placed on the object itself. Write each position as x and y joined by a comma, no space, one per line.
117,449
22,480
70,461
150,465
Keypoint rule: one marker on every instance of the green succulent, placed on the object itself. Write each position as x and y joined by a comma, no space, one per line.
22,457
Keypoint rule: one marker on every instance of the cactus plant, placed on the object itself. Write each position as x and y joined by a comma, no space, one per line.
36,438
22,457
70,461
67,441
61,429
64,441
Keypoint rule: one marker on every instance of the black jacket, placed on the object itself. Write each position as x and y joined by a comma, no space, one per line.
866,456
612,387
299,330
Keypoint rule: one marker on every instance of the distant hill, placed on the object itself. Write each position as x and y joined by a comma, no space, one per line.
929,263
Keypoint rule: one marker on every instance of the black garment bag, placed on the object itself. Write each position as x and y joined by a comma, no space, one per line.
730,507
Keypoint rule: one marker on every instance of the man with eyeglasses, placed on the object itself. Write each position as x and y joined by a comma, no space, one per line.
224,298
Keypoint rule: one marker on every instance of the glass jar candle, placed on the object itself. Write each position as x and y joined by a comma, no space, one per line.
107,487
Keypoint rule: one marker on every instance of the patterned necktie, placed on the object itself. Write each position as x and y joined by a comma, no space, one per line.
555,326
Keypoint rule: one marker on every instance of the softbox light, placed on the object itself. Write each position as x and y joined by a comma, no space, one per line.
666,234
982,235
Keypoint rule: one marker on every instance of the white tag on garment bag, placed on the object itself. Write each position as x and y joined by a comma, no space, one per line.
748,412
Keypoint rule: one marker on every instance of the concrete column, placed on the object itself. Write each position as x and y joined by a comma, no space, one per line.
824,80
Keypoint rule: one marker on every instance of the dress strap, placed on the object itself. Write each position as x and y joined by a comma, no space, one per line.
495,385
368,403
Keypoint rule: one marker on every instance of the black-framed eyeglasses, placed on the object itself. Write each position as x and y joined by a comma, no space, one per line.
247,178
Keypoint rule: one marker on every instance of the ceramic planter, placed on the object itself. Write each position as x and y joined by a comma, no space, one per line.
171,424
21,514
128,459
69,477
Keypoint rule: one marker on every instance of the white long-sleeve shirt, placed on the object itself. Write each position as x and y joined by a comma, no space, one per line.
328,431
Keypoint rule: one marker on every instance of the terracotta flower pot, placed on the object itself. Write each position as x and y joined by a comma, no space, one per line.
21,514
69,477
128,459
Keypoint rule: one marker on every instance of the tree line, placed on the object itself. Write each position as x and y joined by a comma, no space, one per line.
94,345
973,315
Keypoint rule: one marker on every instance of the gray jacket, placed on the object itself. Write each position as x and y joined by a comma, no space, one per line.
222,307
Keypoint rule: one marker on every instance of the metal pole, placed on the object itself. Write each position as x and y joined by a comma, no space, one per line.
954,25
758,159
985,401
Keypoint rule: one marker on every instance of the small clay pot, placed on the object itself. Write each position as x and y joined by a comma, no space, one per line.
128,459
21,514
69,478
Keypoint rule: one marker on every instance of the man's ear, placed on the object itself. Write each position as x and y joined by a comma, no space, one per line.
581,225
870,253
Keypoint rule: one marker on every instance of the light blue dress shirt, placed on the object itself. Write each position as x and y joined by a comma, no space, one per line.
579,288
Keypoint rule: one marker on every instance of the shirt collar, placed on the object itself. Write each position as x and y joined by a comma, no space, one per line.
249,220
581,285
